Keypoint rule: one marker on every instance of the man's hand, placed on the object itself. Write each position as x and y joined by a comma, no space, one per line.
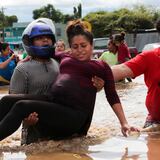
98,83
32,119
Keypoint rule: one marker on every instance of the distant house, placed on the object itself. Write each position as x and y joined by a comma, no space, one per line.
13,35
60,31
142,37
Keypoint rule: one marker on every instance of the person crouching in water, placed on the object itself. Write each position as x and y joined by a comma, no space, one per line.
7,63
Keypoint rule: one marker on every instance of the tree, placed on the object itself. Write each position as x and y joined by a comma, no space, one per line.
77,11
10,20
99,21
67,18
105,23
6,21
57,16
49,12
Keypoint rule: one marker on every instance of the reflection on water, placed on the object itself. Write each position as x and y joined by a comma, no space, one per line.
44,156
153,144
119,148
13,156
145,147
61,156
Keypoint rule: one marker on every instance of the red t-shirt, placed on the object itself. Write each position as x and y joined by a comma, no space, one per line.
123,53
148,63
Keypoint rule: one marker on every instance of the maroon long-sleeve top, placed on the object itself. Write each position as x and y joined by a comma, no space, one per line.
74,86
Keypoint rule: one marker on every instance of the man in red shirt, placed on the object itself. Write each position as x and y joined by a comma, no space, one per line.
143,64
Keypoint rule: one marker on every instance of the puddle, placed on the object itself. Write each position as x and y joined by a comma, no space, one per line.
47,156
145,147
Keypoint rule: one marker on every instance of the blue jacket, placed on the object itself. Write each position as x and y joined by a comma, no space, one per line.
7,72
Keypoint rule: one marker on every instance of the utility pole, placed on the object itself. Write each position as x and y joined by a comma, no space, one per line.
3,20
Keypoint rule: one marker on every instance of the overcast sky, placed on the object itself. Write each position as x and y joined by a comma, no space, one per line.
23,8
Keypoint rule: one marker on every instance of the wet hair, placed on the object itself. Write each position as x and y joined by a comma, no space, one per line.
118,37
77,27
158,25
3,46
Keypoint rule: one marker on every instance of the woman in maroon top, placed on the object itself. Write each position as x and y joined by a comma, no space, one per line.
123,50
69,108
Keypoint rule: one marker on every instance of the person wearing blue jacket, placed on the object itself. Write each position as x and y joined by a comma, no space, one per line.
7,63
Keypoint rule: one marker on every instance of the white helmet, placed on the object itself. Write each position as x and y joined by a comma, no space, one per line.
40,26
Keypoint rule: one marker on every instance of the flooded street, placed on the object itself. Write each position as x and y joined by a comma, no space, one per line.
104,140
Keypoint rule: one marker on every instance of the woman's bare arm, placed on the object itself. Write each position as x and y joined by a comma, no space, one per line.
125,127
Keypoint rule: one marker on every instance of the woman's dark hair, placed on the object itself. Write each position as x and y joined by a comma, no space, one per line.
113,43
77,27
3,46
118,37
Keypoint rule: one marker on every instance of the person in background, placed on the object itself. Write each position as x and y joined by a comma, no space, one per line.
64,113
60,46
123,50
110,56
7,63
143,64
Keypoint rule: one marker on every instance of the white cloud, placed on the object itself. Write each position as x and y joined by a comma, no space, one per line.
115,4
24,2
23,8
39,2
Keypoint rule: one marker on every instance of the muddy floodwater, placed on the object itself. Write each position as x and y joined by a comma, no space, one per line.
104,140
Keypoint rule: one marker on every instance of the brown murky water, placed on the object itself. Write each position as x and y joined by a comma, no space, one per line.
104,140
